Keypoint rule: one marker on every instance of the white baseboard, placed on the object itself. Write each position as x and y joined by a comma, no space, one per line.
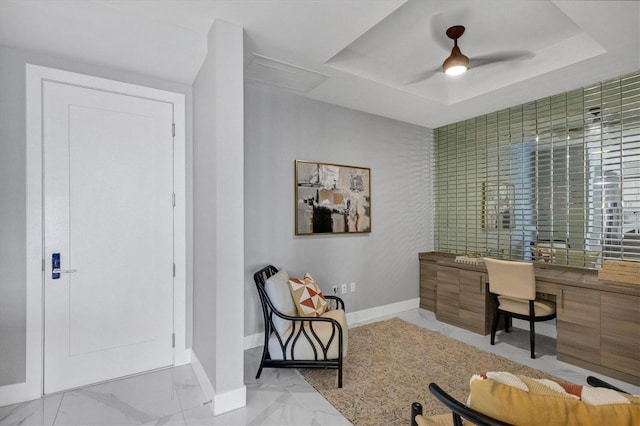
182,357
220,403
229,401
379,312
13,394
253,341
203,379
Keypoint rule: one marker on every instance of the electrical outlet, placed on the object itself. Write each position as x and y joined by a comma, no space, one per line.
344,288
353,287
334,289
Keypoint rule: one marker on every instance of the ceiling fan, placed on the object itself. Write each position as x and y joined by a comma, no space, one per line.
457,62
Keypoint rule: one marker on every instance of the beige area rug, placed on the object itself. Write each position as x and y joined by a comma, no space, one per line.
390,365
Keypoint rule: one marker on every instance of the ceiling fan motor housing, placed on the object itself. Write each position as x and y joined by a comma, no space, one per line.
457,62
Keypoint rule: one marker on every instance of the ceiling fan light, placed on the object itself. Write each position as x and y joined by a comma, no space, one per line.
455,70
456,63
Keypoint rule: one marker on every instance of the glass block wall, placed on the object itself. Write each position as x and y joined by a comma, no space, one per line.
554,180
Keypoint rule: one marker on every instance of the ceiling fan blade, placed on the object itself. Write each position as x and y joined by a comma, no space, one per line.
421,76
479,61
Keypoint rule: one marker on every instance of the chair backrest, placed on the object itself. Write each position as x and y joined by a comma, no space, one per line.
512,279
263,274
260,279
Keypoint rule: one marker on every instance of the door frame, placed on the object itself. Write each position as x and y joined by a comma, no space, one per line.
35,75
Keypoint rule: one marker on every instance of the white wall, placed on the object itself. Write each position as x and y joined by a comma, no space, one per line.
218,216
281,127
13,193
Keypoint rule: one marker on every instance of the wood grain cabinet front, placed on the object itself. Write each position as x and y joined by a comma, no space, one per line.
428,285
578,324
463,299
448,295
475,313
620,332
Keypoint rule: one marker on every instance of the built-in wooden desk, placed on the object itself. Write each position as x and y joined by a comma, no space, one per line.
598,322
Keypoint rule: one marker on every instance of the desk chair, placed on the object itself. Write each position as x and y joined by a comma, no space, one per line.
513,287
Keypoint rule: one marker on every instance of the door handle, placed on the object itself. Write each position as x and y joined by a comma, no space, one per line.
64,271
55,267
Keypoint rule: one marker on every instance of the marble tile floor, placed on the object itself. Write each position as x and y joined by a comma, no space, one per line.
280,397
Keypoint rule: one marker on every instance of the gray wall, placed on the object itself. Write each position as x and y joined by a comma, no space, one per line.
281,127
13,195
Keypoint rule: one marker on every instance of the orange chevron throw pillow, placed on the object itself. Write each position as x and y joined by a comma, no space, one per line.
307,296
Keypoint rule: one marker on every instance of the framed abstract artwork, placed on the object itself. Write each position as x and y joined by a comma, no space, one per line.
332,198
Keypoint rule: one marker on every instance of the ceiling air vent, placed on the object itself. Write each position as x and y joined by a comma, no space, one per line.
278,73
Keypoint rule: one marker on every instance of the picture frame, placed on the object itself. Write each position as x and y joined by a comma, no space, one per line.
497,206
332,198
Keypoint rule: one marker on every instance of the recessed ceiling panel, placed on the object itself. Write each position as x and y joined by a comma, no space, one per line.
509,42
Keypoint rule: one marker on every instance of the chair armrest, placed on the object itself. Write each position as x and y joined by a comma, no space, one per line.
597,383
300,318
339,301
459,409
295,318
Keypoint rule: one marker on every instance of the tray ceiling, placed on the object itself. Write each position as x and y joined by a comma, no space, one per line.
377,56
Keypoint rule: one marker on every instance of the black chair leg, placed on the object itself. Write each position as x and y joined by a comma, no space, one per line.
457,420
494,326
416,410
532,337
264,356
507,323
532,329
259,372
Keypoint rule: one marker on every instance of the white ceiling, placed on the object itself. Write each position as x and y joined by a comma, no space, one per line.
378,56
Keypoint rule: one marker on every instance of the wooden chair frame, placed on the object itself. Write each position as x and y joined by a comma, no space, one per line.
302,328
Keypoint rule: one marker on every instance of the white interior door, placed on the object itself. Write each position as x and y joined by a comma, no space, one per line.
108,212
